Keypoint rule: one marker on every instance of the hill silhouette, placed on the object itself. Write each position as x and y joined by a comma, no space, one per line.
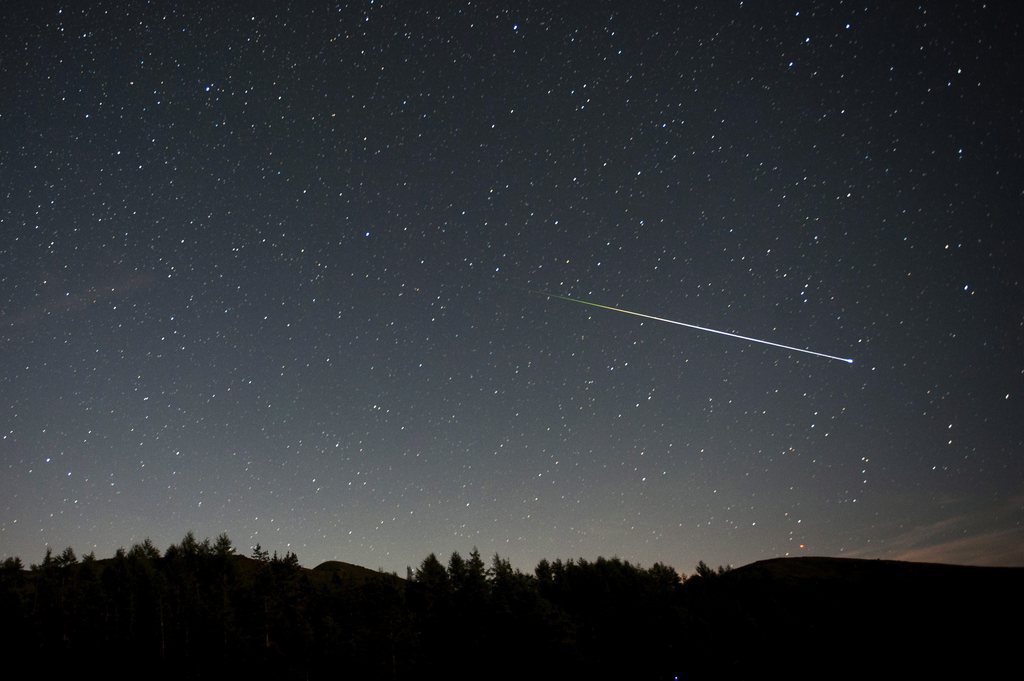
347,571
198,610
857,618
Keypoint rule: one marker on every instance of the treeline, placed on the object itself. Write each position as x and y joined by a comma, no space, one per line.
199,610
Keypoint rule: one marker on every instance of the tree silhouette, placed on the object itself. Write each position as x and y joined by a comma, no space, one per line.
258,554
200,611
223,547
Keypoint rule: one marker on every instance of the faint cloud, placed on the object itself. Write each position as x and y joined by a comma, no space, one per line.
70,302
995,538
998,547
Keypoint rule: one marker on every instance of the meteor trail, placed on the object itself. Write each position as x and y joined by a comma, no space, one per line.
694,326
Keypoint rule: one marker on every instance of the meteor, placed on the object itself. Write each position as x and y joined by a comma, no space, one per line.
694,326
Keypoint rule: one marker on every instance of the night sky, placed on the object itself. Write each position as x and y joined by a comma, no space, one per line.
272,270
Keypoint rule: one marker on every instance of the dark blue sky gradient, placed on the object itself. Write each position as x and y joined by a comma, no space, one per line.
267,271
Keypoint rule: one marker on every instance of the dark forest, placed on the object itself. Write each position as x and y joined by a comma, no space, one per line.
199,610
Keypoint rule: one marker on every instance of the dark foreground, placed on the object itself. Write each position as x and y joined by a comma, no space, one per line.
198,611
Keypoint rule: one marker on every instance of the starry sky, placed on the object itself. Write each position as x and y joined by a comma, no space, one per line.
272,270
